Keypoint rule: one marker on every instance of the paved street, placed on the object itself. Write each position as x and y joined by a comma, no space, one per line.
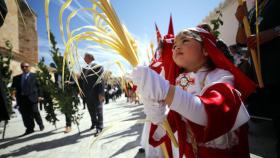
120,139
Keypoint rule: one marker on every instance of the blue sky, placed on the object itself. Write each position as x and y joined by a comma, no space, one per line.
139,17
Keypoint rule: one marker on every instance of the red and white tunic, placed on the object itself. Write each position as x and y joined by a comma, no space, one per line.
209,120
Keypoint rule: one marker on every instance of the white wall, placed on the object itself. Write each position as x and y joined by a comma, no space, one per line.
229,28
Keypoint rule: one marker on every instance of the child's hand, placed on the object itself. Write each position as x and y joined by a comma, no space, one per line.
150,84
155,111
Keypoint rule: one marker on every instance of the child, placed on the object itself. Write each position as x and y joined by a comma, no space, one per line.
206,110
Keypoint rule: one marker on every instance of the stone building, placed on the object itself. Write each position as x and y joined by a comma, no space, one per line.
20,28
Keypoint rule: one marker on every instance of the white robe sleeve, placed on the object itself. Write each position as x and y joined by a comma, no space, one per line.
189,106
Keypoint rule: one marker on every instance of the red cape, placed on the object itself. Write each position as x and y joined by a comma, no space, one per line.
222,104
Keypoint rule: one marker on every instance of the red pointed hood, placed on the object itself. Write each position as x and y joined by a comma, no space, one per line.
158,34
170,28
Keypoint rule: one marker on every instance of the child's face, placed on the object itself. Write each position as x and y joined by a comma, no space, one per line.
188,53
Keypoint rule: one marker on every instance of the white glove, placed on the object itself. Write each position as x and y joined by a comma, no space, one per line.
159,133
155,111
149,83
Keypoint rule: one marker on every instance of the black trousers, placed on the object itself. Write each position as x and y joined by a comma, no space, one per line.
29,112
96,115
84,102
68,120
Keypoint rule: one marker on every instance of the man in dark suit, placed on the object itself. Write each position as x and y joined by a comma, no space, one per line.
27,96
93,88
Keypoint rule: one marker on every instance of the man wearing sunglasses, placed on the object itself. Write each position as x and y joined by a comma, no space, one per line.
27,96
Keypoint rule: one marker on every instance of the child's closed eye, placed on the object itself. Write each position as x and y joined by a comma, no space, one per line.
185,40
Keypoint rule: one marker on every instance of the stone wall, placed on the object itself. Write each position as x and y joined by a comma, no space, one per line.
20,28
28,38
9,30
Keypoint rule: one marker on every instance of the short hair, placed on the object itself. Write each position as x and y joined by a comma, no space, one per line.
52,65
89,55
23,63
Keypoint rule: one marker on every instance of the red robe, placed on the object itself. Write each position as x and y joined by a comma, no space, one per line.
222,104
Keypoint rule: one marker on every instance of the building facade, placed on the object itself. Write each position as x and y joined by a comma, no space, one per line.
20,28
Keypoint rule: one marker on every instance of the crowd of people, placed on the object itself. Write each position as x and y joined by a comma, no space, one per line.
112,92
130,93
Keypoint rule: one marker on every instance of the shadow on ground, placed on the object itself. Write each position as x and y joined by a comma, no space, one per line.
67,140
19,139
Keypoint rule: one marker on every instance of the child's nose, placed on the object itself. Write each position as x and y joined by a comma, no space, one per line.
177,48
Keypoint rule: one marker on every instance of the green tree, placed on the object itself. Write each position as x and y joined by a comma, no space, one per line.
48,88
66,99
6,74
216,23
